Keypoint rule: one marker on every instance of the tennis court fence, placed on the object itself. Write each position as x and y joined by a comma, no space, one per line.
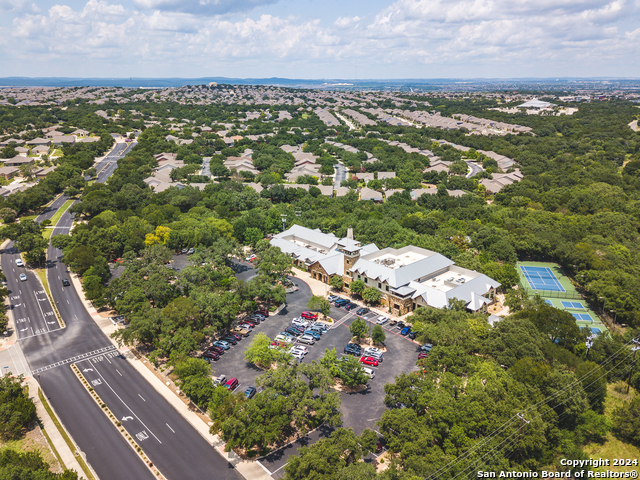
550,293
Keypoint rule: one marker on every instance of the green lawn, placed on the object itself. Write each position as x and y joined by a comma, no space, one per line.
56,217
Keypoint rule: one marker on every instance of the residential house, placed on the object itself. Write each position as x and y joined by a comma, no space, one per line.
41,150
407,278
418,192
500,180
43,172
63,140
22,151
39,141
6,143
342,191
53,133
383,175
369,194
8,172
438,166
17,161
362,176
326,190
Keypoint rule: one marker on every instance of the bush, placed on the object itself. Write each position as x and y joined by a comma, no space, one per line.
16,408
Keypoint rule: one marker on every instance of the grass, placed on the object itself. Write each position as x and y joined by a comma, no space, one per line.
83,465
28,217
53,448
612,447
56,217
42,273
57,153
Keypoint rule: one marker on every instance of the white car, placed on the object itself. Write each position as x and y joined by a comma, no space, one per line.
370,350
299,348
19,263
283,338
299,322
369,372
23,277
375,354
382,320
297,355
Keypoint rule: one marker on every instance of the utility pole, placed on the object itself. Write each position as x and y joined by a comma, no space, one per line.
633,362
522,420
589,344
284,221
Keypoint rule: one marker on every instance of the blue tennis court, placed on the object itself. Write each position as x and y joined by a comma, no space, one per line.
548,302
583,317
541,278
566,304
594,330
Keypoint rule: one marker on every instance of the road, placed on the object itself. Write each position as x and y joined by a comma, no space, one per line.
341,174
206,164
169,441
474,169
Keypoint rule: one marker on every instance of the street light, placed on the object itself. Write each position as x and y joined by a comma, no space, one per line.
283,216
604,305
616,315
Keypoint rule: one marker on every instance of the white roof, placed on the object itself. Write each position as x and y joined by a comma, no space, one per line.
535,103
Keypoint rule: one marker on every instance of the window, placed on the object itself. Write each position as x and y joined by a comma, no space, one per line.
366,280
379,285
358,277
346,285
396,306
386,288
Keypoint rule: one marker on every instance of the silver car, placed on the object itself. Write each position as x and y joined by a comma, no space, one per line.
308,339
382,320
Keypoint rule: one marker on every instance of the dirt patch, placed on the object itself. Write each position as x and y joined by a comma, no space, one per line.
35,441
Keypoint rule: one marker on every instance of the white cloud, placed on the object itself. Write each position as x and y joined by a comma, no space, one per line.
18,6
204,7
418,38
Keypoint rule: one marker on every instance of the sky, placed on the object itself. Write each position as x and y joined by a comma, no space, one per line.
315,39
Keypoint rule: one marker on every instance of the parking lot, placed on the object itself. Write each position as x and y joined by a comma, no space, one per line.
359,410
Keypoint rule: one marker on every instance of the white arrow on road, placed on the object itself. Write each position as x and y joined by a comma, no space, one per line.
124,419
18,305
24,329
88,370
51,323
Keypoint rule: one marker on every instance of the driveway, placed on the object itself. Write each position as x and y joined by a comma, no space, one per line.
341,174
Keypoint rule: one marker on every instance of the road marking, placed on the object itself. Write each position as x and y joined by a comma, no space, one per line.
68,302
118,372
123,402
45,320
170,427
280,468
264,468
82,356
142,398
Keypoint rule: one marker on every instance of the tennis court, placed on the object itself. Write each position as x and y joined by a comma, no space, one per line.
541,278
594,330
577,305
583,317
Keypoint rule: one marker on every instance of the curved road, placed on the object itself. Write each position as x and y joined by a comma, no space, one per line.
169,441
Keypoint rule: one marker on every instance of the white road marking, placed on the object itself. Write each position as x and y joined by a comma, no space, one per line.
142,398
123,402
170,427
118,372
45,320
281,467
68,302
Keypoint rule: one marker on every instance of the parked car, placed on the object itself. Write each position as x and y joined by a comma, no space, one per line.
235,335
210,355
264,313
246,326
352,349
309,315
216,349
297,355
293,331
317,329
376,355
308,339
400,325
251,257
369,361
412,335
231,384
254,319
191,251
426,347
23,277
369,372
362,311
65,282
422,355
185,250
405,331
276,344
240,331
252,322
393,323
300,348
321,326
315,335
283,338
250,392
350,306
220,380
373,350
299,322
19,263
332,298
222,343
231,340
341,302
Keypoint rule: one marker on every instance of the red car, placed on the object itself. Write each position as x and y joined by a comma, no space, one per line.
264,313
309,315
369,361
423,355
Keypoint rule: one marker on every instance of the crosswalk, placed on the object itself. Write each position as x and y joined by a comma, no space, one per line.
82,356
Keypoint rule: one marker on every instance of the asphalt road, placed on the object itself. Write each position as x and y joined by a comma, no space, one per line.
474,169
341,174
169,441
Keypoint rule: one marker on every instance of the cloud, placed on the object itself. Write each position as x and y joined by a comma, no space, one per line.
18,6
203,7
408,38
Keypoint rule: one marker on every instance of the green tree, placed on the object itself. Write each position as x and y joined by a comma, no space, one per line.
319,303
359,329
273,263
377,335
259,352
357,287
336,282
626,422
33,246
371,295
17,410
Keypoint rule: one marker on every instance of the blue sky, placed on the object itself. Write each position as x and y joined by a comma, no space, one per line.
320,39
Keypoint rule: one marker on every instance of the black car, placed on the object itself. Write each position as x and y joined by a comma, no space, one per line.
412,335
65,282
230,339
400,325
362,311
393,323
350,306
210,356
293,331
353,349
341,302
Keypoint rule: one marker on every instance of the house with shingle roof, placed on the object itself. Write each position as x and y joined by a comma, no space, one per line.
369,194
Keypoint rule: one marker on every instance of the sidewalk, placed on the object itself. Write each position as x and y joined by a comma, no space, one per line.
251,470
68,457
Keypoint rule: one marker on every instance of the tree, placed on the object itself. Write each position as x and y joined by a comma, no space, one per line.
337,282
318,303
371,295
378,335
29,464
357,287
259,352
33,246
273,263
16,408
359,329
626,422
27,170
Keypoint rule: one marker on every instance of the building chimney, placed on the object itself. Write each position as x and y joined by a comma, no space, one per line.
350,233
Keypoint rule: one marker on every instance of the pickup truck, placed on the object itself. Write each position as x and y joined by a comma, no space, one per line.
240,331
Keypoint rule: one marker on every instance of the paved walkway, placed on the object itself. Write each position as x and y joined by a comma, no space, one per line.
251,470
634,126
